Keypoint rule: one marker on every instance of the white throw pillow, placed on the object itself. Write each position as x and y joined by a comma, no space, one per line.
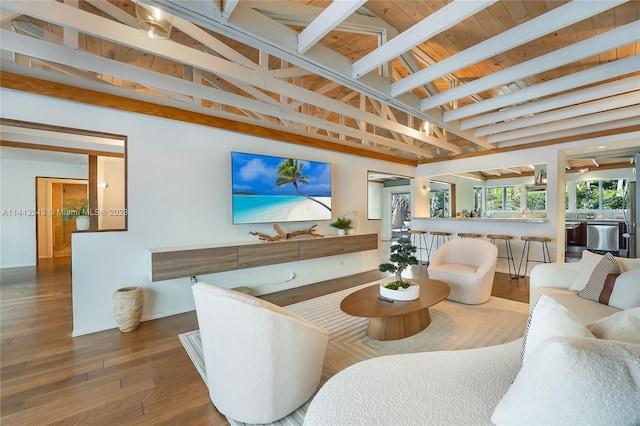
587,263
626,291
575,381
622,326
549,318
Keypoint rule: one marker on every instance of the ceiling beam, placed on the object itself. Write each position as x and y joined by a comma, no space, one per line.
561,84
30,46
493,172
42,87
197,8
471,175
254,27
228,6
439,21
597,44
515,171
41,147
213,43
567,124
610,103
302,14
630,132
326,21
585,132
579,96
92,24
559,17
115,12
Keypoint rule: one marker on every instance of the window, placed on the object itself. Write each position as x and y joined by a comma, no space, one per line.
512,197
601,194
440,203
587,195
537,199
613,193
494,198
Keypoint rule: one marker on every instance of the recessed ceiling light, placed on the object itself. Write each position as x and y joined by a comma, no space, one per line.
602,147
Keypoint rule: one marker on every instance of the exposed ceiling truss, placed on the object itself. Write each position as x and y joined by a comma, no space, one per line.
488,74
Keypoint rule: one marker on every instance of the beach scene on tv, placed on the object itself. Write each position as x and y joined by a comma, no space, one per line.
279,189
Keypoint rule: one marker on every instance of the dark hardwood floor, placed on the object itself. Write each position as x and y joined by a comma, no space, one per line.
141,377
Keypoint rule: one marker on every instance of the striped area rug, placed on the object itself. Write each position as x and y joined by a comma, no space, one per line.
453,326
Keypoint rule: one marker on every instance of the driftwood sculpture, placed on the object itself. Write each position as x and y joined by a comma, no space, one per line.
286,235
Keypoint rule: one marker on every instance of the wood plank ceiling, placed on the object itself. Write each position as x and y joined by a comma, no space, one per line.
360,74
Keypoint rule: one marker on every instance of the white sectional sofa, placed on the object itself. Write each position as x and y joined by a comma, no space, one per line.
470,386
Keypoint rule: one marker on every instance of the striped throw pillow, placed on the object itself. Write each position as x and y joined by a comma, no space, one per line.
596,283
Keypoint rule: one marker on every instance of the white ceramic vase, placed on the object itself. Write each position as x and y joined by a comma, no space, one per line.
127,307
82,223
402,294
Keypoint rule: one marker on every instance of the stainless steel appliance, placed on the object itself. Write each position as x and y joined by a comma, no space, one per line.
630,210
603,237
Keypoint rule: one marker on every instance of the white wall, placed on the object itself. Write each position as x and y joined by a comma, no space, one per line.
111,199
179,194
374,202
18,203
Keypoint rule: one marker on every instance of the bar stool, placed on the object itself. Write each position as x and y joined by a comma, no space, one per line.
509,252
441,237
468,235
546,257
421,237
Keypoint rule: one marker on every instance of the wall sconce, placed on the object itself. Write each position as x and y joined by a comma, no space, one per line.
425,188
103,185
154,22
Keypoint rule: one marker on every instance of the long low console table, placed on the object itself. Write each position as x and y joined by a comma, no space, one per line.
180,262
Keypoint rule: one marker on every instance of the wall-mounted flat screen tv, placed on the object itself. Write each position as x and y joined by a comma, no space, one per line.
279,189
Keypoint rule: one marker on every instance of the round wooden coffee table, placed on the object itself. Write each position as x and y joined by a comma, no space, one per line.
395,320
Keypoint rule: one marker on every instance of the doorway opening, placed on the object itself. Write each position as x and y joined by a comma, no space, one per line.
53,196
400,214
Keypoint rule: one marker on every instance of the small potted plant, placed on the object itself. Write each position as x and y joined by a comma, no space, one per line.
78,208
341,224
402,255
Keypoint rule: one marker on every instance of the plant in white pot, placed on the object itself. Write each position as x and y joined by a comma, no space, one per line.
78,208
402,255
341,224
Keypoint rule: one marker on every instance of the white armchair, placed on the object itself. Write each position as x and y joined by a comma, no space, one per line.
468,266
262,361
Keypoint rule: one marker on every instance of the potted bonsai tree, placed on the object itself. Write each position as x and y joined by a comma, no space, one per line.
341,224
402,255
78,208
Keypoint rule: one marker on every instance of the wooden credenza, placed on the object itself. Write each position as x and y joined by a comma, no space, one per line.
167,264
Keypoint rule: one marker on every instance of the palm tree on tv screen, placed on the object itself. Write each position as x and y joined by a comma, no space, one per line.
290,171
